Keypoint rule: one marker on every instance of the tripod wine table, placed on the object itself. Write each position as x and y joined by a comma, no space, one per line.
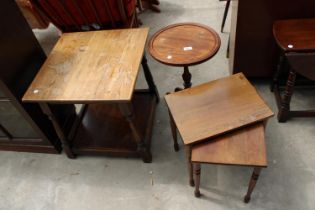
184,45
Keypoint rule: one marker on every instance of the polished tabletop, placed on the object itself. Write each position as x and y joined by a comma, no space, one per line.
295,34
216,107
184,44
245,147
90,66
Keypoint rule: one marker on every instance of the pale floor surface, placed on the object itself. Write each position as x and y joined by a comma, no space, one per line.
41,181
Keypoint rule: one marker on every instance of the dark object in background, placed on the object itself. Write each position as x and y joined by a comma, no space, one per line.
82,15
296,39
34,18
23,127
253,50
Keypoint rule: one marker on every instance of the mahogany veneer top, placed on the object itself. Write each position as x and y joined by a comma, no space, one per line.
184,44
216,107
90,66
295,35
245,147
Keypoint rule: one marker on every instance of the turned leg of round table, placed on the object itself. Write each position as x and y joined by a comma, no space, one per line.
187,77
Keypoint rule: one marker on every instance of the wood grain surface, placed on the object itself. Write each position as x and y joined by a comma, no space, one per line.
184,44
91,66
295,35
245,147
216,107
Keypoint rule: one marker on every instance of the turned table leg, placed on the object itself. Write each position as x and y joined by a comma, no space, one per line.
189,166
275,79
197,170
286,99
149,78
64,141
186,77
128,112
252,184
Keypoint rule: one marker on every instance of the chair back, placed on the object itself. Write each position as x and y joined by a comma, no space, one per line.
86,15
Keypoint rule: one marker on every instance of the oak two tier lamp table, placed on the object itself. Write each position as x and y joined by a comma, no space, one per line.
99,69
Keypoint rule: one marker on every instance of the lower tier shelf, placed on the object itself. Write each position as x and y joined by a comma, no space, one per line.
105,131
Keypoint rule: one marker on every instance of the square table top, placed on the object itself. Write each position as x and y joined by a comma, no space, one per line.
216,107
245,147
90,66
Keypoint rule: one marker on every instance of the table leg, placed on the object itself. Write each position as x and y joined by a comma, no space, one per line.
197,170
228,48
275,79
174,132
65,143
127,110
186,77
139,4
226,10
284,110
174,129
190,166
252,184
149,78
152,5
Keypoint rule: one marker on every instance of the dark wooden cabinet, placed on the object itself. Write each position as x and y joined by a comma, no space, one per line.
23,127
253,50
9,116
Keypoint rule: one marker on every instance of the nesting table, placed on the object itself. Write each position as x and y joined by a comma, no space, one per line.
207,117
215,108
244,147
99,69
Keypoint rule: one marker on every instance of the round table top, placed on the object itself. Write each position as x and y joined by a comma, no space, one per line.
295,35
184,44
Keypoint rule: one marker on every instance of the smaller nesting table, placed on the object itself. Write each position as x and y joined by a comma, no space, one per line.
245,147
184,45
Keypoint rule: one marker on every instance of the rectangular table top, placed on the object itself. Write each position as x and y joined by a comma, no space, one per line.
90,66
244,147
216,107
